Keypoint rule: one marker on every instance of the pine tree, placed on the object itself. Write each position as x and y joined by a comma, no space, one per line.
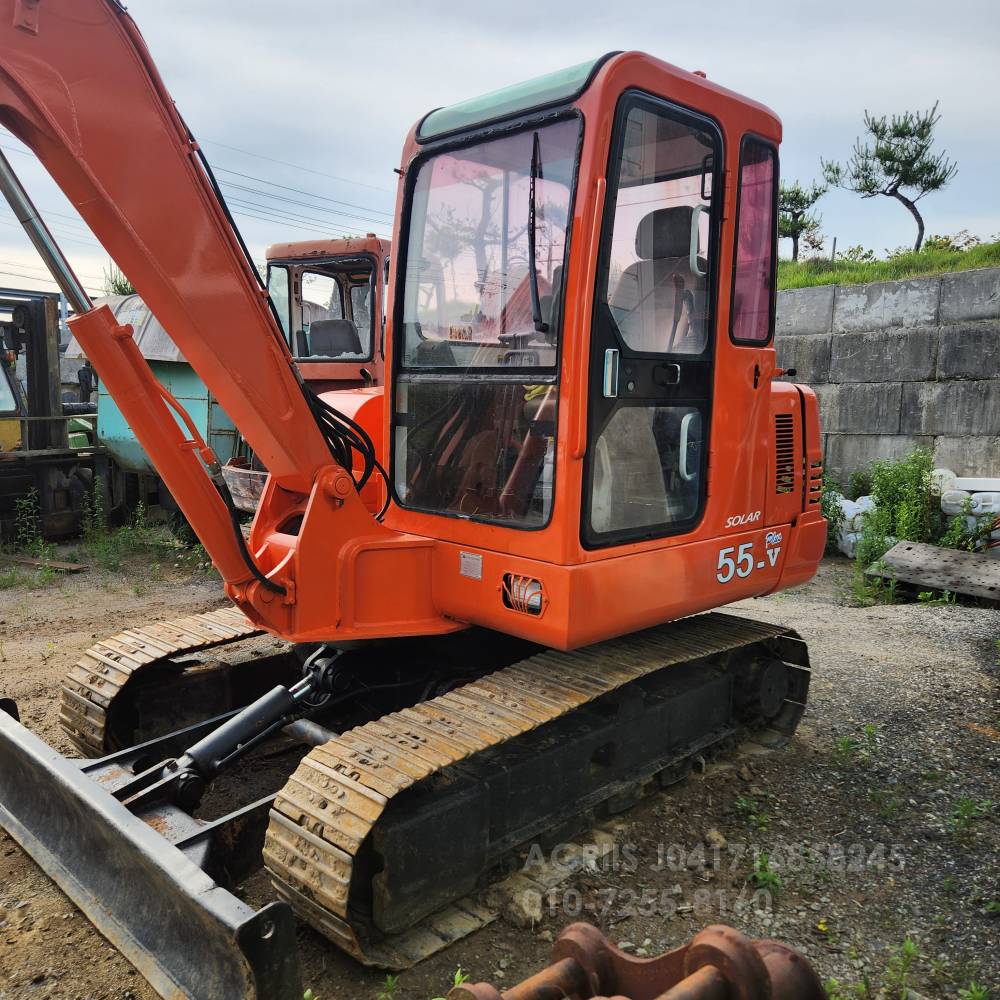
897,162
794,217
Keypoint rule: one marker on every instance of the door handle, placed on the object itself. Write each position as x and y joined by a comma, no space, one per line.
611,373
667,374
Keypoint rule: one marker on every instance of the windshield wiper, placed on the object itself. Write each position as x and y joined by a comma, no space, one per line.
536,173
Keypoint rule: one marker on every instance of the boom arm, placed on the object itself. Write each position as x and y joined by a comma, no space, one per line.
78,86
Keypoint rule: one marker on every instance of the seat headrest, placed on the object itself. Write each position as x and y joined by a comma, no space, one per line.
333,337
666,232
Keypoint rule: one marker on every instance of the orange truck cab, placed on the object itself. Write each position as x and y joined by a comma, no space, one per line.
330,300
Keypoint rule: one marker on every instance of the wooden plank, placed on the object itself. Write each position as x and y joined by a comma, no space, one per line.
63,567
940,569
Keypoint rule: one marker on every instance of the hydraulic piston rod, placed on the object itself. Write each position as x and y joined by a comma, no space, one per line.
34,225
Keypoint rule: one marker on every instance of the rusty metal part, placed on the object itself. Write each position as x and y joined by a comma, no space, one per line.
332,803
719,963
99,677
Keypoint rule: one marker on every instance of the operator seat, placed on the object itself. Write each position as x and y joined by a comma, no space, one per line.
659,301
333,338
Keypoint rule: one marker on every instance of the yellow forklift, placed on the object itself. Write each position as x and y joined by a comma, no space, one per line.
47,443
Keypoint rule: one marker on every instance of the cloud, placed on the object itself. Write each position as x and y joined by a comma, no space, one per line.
334,87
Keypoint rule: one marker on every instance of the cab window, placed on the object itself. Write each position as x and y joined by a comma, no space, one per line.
277,288
8,402
756,242
336,320
478,326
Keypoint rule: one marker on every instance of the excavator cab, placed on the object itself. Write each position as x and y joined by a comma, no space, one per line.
585,359
329,296
584,441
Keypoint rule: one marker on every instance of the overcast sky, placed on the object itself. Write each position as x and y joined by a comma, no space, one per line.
331,88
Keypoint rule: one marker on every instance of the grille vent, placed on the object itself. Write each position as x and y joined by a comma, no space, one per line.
784,453
815,484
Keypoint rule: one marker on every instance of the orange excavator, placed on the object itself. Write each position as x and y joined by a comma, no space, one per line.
585,448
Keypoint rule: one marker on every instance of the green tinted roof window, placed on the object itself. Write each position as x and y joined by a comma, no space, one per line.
552,88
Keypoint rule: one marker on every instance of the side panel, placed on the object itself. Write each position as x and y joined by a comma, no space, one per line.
598,600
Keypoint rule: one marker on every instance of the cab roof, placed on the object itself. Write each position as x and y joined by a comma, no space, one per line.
551,88
342,247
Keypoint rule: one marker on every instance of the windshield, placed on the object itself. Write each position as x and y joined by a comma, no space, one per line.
467,299
327,312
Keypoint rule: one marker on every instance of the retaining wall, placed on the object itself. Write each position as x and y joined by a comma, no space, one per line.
900,363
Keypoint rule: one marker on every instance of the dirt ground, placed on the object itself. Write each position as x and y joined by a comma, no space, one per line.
879,821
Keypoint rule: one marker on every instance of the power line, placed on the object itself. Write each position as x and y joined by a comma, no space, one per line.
298,166
244,214
319,233
45,270
62,238
283,213
48,281
308,194
272,215
303,204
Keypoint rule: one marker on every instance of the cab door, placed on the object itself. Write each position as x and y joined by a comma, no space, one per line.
652,341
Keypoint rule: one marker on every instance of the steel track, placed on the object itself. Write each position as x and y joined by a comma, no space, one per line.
333,803
99,677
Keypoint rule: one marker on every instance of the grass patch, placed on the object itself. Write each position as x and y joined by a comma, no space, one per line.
863,749
748,806
905,507
858,267
111,548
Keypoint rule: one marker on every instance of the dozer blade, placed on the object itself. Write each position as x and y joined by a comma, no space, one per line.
186,934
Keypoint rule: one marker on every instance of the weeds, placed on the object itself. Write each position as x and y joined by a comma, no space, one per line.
835,990
899,973
110,549
829,505
763,876
974,992
935,597
903,507
751,808
898,980
10,578
857,266
967,813
457,979
849,750
859,484
886,803
389,986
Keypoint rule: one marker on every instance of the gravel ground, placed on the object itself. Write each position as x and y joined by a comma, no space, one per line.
877,820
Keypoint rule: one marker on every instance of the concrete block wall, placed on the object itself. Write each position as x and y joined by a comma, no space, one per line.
900,363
